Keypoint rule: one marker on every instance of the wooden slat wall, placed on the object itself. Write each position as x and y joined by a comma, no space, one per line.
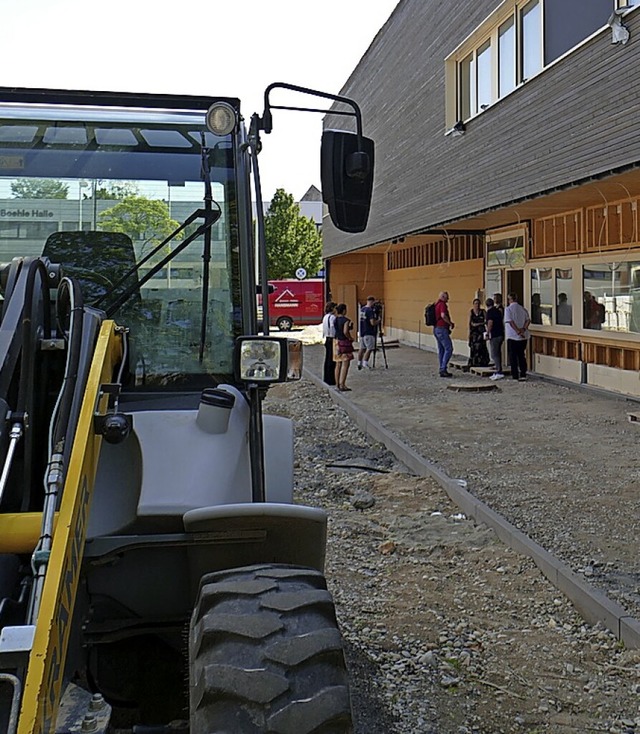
624,356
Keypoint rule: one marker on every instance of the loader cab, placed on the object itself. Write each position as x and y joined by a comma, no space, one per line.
97,188
136,459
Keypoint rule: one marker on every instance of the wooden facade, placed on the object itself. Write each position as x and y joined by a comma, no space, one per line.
556,159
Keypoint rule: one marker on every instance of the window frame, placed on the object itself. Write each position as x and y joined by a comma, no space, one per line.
488,30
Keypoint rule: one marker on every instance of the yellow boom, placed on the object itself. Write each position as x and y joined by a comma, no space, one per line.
43,681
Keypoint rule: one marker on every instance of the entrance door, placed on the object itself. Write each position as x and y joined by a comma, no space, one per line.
515,284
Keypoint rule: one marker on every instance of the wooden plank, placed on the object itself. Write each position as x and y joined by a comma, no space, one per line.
482,371
459,364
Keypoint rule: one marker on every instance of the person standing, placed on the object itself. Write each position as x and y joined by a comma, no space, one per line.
329,332
497,302
478,354
368,332
495,337
564,314
342,346
516,323
442,333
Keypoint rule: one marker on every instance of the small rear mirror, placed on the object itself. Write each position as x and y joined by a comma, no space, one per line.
346,171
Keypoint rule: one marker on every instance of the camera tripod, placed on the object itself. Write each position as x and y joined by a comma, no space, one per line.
384,351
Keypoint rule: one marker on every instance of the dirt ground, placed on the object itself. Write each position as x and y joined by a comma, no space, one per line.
447,630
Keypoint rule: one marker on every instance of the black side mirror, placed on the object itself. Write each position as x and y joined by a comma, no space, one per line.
270,288
346,171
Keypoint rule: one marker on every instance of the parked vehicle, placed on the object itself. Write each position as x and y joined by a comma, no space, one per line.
296,302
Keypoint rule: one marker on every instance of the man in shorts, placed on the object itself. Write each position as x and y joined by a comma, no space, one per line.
368,332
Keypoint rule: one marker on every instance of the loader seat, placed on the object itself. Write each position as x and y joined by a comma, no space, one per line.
98,260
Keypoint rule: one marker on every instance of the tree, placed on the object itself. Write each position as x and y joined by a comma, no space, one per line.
140,218
292,240
115,189
39,188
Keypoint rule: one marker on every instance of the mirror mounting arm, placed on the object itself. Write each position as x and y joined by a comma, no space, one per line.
265,122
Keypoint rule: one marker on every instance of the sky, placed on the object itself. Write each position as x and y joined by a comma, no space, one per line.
200,47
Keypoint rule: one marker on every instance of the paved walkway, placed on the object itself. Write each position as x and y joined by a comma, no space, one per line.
521,459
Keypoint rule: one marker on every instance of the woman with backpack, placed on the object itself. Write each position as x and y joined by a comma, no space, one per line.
342,347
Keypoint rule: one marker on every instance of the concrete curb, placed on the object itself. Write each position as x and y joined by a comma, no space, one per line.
591,603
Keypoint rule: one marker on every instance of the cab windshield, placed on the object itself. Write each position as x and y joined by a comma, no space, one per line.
99,190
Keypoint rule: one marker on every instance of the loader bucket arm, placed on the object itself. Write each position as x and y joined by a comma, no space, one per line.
43,680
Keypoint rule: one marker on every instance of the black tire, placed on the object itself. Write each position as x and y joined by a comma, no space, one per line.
285,323
265,655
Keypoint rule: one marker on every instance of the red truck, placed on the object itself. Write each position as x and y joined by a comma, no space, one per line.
299,302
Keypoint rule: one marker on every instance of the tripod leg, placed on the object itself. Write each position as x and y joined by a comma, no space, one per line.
384,353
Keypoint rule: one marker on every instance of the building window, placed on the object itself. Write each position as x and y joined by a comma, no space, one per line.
10,230
467,87
564,299
505,251
541,311
611,297
514,44
506,57
531,35
484,66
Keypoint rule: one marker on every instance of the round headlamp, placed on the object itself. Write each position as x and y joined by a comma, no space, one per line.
221,118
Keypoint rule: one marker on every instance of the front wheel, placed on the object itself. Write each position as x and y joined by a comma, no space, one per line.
265,654
285,323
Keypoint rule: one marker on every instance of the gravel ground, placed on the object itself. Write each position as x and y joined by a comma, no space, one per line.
446,629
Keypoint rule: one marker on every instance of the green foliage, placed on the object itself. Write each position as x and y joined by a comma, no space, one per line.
39,188
115,189
292,240
140,218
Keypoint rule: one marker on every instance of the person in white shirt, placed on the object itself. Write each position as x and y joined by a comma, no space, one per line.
329,332
516,323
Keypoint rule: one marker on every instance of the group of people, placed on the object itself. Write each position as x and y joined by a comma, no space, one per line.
487,332
337,331
488,329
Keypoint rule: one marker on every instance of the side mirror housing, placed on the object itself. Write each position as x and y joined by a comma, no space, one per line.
346,171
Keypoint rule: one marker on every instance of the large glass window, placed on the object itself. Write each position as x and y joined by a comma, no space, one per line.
531,23
541,310
564,300
517,41
467,87
493,283
506,57
506,252
484,65
611,296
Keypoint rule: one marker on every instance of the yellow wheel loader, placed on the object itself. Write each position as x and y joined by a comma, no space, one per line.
155,574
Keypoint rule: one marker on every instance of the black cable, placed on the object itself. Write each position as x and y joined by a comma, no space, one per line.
30,344
69,293
30,347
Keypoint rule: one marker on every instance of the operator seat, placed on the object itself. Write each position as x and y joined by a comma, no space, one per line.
98,260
